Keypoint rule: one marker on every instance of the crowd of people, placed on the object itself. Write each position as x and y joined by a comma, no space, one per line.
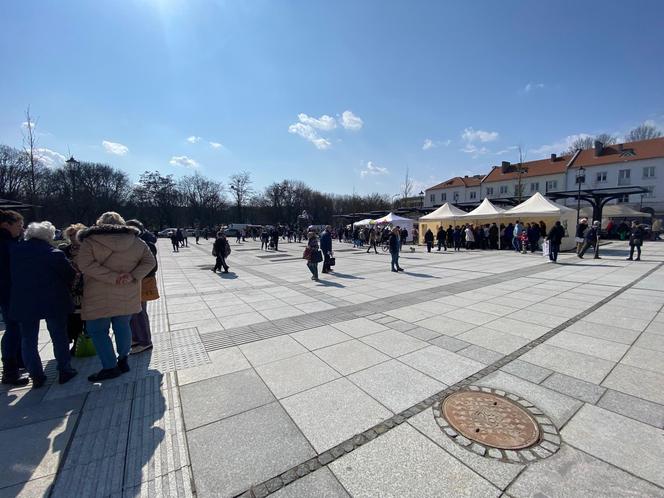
100,277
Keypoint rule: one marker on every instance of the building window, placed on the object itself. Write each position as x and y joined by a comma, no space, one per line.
651,192
432,197
456,196
600,177
489,191
624,198
503,189
518,190
649,172
534,187
624,177
473,195
551,185
443,197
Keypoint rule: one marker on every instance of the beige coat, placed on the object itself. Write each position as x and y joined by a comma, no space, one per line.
106,252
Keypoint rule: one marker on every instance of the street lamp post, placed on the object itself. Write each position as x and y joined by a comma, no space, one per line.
580,178
73,165
421,199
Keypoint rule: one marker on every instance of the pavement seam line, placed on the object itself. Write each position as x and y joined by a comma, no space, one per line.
328,456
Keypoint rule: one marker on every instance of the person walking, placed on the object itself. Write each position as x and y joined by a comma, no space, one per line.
175,241
456,236
635,241
440,238
516,236
470,237
428,239
197,234
11,228
264,239
493,236
580,234
312,255
372,240
141,333
394,244
555,237
70,248
326,248
533,237
41,279
591,237
221,249
403,236
114,261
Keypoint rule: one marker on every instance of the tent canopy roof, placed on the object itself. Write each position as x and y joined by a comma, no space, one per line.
485,210
616,211
364,222
537,204
392,218
445,211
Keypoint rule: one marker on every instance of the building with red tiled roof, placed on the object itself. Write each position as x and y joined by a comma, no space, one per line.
629,164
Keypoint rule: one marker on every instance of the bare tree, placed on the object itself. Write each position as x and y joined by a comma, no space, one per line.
14,173
644,131
520,171
240,187
30,148
407,187
588,142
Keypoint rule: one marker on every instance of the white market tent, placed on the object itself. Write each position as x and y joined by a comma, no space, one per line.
538,208
485,211
445,213
400,221
363,223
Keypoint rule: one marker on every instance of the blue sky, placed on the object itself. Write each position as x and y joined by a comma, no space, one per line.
343,95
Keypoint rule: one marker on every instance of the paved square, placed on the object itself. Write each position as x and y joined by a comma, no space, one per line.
271,384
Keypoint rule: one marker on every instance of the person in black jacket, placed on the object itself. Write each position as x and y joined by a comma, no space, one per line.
635,240
141,334
555,237
41,278
428,239
326,248
221,249
440,238
394,249
11,228
591,239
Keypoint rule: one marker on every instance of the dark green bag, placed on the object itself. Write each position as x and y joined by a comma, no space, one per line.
84,346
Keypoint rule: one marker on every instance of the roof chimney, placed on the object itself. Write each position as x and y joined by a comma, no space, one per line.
599,148
553,158
505,166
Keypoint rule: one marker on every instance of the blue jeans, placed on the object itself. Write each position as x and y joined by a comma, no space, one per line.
395,260
57,329
98,330
313,268
516,244
10,345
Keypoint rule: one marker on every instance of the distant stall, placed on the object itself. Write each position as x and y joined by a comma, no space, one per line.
447,213
394,221
485,213
538,208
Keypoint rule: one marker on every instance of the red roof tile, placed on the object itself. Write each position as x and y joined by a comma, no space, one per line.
530,169
631,151
458,181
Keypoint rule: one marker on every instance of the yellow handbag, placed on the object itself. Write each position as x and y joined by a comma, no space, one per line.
149,289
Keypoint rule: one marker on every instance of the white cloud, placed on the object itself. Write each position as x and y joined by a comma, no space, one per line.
432,144
557,147
308,133
474,151
50,158
471,135
216,145
115,148
325,122
25,125
183,161
505,151
532,86
373,170
350,121
193,139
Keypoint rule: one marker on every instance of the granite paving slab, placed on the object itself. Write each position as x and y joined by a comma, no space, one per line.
297,373
618,440
636,408
321,483
638,382
233,454
350,356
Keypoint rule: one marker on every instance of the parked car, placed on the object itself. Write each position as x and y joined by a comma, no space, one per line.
167,232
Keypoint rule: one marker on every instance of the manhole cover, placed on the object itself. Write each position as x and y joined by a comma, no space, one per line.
491,420
496,424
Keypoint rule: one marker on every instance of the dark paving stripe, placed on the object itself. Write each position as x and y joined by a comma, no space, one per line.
269,486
